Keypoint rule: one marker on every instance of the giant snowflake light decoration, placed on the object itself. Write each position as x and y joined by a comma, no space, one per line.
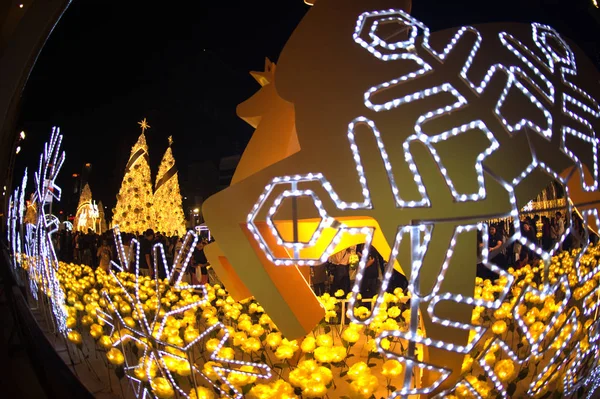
445,131
162,355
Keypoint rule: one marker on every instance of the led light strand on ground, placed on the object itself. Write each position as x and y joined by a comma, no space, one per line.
489,371
575,376
479,330
538,381
549,291
150,328
444,373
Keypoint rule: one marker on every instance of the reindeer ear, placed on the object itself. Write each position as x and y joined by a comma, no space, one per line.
266,77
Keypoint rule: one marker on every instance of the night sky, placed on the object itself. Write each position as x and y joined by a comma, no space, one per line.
107,65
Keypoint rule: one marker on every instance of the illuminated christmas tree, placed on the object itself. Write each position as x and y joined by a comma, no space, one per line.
87,212
133,212
168,212
102,226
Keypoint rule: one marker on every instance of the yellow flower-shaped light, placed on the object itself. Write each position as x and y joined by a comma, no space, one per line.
314,390
505,369
115,357
490,359
74,337
339,293
105,342
256,330
244,325
393,312
71,322
212,344
357,369
241,379
364,386
284,352
190,335
391,368
309,344
162,388
96,331
201,393
323,354
467,364
209,372
251,345
273,339
338,353
499,327
325,340
350,335
261,391
184,368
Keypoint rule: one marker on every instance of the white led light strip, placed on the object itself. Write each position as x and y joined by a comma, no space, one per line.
153,331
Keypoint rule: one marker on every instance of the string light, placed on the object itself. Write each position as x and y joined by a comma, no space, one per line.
151,331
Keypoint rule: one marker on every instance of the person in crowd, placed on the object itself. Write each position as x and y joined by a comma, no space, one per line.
340,263
495,241
525,256
105,255
558,228
160,261
200,263
318,278
146,264
546,234
370,282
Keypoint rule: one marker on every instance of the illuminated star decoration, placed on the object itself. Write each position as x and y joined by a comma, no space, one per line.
149,334
144,125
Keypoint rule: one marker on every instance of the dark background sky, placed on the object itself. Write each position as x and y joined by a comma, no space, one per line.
185,67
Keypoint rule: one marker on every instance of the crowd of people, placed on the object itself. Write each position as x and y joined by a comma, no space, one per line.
546,235
98,250
338,272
